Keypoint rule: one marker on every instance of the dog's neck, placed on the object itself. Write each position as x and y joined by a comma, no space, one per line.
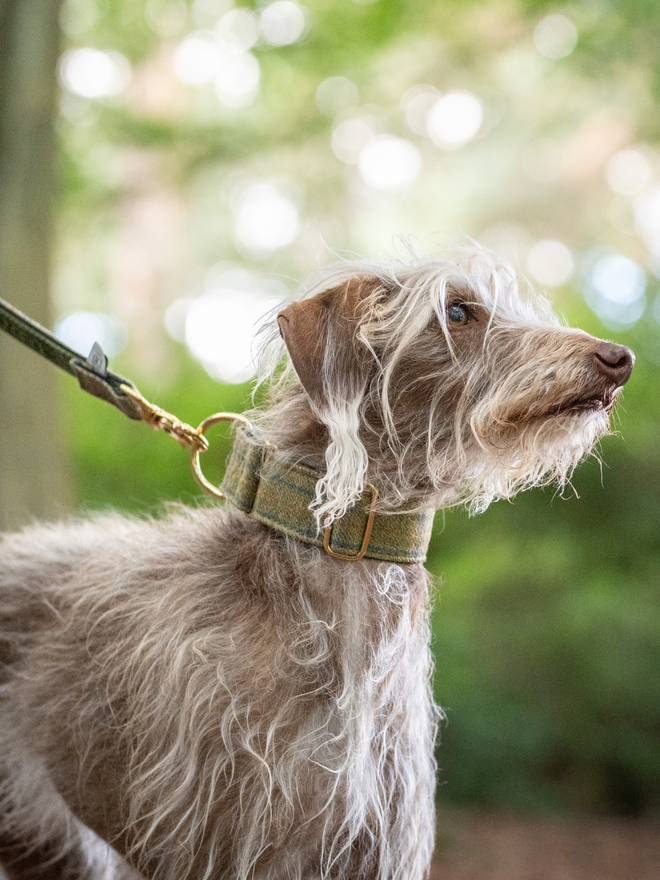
291,424
295,429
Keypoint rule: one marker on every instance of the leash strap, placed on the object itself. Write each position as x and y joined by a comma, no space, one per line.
92,372
278,494
95,378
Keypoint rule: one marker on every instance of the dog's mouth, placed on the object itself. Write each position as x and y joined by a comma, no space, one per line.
602,401
588,402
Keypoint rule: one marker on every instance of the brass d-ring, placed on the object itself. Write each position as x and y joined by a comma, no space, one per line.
200,479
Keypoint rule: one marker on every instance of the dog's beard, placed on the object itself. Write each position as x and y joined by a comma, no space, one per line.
496,460
540,452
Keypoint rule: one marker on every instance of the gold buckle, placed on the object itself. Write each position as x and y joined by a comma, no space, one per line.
200,479
327,537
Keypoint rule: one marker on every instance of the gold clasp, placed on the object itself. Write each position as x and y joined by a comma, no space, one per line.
327,537
160,420
200,479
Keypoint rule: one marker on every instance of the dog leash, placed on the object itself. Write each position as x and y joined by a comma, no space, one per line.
95,378
275,493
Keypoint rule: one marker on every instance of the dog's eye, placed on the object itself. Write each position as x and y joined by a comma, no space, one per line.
457,314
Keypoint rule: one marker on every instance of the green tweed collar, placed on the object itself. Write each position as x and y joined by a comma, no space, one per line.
279,494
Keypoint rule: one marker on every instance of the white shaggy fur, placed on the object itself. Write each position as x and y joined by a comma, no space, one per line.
348,730
346,461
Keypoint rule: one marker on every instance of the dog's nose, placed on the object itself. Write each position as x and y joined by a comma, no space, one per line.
615,362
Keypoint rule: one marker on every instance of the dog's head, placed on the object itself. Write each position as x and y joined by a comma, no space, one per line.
438,379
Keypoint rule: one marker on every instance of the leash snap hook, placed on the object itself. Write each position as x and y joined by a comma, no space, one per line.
161,420
199,477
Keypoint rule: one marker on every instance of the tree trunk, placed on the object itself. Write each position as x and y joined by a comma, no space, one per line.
32,475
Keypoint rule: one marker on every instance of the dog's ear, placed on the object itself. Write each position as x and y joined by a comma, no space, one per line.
302,329
333,365
321,337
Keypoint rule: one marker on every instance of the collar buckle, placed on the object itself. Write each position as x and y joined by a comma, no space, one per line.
327,536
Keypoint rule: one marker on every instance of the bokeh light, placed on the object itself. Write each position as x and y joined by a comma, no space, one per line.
237,79
455,119
350,137
550,263
336,93
92,73
616,290
555,37
647,217
266,218
416,104
219,326
197,59
220,329
389,163
239,29
175,318
80,330
221,57
283,22
627,172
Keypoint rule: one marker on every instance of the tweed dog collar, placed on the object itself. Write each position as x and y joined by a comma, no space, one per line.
278,494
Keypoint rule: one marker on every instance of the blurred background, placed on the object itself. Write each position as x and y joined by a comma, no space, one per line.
171,169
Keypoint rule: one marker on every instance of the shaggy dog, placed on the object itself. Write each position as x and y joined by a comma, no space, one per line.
217,699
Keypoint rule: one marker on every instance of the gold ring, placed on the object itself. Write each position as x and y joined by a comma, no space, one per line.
200,479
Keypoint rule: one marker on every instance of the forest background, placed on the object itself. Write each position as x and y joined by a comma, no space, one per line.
169,170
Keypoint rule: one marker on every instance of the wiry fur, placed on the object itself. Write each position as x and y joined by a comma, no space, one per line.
219,701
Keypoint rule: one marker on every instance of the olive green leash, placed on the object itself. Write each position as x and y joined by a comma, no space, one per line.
94,377
92,372
258,480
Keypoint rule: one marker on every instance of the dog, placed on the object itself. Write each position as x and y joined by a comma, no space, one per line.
217,695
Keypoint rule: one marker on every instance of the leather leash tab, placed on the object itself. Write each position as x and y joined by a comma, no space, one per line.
105,387
94,377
